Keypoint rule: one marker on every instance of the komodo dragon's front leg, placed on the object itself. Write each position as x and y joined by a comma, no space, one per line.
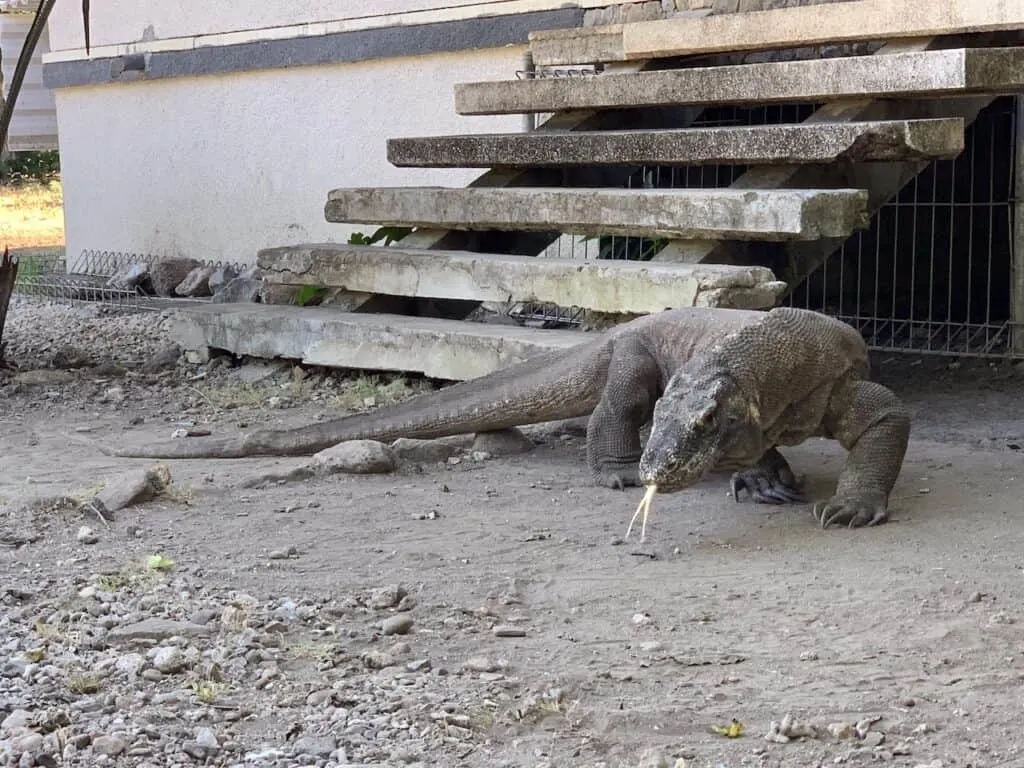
872,424
771,482
627,402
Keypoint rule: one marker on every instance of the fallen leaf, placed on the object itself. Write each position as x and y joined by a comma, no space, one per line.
731,731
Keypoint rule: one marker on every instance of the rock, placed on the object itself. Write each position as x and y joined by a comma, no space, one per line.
18,719
873,739
397,625
167,274
206,738
115,395
111,746
239,289
130,664
221,276
315,746
480,664
387,597
155,629
378,660
69,356
86,535
169,660
259,371
196,283
502,442
133,487
163,359
31,743
426,451
42,377
506,630
357,457
131,277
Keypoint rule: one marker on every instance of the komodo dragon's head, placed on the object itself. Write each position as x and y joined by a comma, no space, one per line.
699,418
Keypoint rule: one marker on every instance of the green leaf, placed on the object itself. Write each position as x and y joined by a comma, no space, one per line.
309,293
159,563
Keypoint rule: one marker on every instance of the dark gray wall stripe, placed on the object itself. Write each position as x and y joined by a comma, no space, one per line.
491,32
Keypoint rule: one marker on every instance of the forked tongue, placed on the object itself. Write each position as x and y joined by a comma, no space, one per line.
643,509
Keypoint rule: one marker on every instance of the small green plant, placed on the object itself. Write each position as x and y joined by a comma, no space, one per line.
25,167
310,294
388,234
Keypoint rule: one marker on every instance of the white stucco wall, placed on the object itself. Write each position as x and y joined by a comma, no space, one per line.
218,167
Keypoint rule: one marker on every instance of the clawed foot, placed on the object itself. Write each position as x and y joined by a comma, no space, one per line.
618,477
852,511
767,487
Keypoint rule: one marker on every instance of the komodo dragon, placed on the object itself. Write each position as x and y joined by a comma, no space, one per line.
793,373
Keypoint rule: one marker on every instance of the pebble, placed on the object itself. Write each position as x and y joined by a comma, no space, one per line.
480,664
109,745
86,535
169,660
397,625
507,630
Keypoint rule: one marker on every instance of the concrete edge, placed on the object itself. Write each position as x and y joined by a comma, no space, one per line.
340,47
441,349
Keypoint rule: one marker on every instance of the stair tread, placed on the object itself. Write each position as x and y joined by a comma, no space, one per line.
777,214
599,284
933,72
757,144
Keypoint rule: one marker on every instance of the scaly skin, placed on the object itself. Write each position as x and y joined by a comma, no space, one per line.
796,375
616,378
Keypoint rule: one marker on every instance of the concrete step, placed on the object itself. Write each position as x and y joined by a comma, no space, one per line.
924,73
884,140
818,24
781,214
604,286
442,349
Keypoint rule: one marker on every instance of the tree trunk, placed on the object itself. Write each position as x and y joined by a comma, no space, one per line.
8,274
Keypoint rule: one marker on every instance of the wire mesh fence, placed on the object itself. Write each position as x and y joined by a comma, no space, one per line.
931,274
92,276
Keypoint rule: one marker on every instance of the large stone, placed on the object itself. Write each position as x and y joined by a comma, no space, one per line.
196,282
167,274
781,214
355,457
744,145
239,289
939,72
442,349
812,24
599,284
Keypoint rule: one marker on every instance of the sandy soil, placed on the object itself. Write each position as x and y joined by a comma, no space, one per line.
631,653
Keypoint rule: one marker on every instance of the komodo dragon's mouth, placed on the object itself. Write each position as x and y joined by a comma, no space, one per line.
643,510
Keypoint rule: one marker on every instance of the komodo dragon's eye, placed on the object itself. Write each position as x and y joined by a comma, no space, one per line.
706,420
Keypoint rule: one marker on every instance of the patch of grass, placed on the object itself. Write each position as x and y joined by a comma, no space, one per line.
376,390
234,395
32,215
180,494
83,683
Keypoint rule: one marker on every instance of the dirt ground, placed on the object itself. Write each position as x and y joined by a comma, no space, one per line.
630,654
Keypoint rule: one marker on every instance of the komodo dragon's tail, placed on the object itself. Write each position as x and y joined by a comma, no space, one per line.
559,384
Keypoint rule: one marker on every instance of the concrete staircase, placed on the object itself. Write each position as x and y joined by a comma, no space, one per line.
807,187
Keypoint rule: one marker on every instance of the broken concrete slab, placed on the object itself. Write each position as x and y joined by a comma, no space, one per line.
755,144
781,214
442,349
927,73
601,285
817,24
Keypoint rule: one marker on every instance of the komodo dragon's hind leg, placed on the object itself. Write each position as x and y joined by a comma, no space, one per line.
872,424
771,482
627,403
